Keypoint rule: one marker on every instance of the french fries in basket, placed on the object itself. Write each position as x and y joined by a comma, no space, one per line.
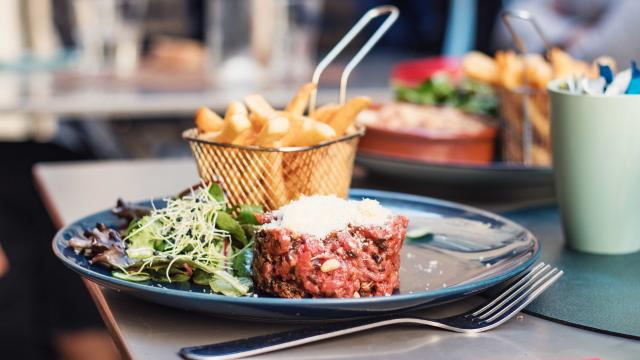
288,152
264,174
254,122
521,81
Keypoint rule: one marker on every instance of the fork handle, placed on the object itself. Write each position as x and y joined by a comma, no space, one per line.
266,343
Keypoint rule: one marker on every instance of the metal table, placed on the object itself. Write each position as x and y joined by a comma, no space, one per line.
147,331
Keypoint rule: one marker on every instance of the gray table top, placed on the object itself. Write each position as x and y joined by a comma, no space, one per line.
148,331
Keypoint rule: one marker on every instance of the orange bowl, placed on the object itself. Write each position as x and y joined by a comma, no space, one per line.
421,145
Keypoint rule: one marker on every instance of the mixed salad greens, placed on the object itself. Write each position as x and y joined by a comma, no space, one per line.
195,237
467,95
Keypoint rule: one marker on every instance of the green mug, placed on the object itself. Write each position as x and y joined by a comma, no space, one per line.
596,161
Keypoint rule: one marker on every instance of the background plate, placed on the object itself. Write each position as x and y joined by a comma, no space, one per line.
495,174
470,251
414,72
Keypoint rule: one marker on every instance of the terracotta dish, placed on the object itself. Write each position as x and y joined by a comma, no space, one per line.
453,137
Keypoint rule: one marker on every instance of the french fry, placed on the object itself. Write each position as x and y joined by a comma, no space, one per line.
258,104
538,71
318,132
305,131
562,63
246,138
257,121
238,125
299,102
233,130
313,132
260,109
510,69
500,61
514,72
323,113
480,67
308,132
346,115
207,120
273,131
295,127
235,108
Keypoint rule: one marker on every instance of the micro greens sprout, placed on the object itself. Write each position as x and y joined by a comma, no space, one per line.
184,234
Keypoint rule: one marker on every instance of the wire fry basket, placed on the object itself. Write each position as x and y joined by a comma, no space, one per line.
272,177
525,111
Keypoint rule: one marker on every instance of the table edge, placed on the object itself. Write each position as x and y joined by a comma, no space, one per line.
94,290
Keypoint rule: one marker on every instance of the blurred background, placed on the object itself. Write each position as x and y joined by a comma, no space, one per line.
120,79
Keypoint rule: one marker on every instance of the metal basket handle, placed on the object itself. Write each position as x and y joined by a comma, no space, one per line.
342,44
525,16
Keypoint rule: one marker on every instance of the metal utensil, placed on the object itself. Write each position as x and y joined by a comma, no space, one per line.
393,13
273,177
524,16
494,313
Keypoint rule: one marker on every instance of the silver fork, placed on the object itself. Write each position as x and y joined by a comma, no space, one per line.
495,312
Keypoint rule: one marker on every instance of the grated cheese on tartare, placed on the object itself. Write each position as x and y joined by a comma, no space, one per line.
319,215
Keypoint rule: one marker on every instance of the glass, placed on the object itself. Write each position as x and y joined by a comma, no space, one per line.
595,164
108,34
258,42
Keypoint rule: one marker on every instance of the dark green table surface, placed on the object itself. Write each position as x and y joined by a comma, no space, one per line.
599,292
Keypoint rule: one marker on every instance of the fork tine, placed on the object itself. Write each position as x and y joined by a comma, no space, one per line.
534,290
528,285
532,274
511,293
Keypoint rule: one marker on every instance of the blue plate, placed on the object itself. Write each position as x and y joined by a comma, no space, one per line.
470,250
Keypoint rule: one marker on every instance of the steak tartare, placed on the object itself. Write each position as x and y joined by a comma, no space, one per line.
323,246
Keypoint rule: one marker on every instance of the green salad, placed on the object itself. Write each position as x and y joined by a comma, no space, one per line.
196,237
467,95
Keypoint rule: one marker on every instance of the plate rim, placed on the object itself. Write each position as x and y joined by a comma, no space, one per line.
492,167
460,289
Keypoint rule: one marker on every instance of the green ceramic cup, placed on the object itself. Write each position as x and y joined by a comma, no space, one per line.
596,161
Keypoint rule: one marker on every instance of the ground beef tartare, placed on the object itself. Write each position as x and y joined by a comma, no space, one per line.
323,246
